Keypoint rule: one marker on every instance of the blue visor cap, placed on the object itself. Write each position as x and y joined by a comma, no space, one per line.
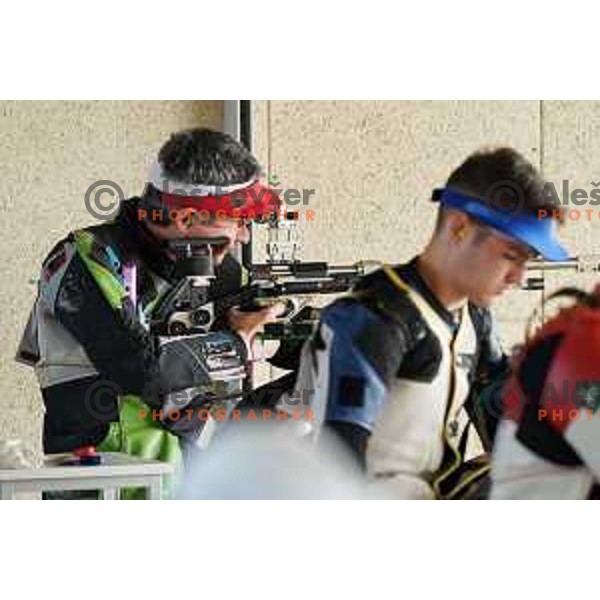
531,230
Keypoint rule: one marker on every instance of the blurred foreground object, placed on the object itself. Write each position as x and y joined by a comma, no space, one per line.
15,455
548,444
269,461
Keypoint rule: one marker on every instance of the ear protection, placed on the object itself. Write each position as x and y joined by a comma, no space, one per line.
461,233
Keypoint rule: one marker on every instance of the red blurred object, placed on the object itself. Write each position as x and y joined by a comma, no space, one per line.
85,451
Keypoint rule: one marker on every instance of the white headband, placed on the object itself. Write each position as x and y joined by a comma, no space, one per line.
162,182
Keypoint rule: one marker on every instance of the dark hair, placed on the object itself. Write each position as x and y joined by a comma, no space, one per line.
208,157
204,157
502,178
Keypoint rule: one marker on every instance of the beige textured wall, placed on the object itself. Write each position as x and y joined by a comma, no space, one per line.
374,164
571,144
50,153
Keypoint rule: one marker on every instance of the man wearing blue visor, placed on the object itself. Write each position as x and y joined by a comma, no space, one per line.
396,365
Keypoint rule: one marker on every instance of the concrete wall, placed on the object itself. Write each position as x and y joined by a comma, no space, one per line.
570,140
50,153
372,164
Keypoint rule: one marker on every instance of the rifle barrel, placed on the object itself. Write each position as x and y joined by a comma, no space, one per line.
582,263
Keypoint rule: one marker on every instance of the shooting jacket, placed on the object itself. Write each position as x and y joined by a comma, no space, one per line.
87,337
394,374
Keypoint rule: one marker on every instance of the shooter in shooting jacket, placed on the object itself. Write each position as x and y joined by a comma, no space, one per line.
91,336
548,444
395,363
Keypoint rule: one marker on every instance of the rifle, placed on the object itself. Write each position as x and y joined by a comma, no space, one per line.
585,263
289,281
189,309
